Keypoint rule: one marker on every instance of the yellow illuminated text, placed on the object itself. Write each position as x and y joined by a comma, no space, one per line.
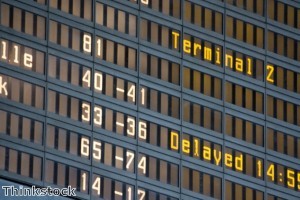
208,154
270,71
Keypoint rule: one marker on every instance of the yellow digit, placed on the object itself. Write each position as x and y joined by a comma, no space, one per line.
98,81
131,126
142,164
270,70
143,96
98,115
85,110
85,148
129,193
270,172
99,44
97,185
131,92
83,178
87,77
259,168
298,181
291,178
143,130
87,43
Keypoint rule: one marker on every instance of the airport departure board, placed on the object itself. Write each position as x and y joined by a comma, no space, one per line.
151,99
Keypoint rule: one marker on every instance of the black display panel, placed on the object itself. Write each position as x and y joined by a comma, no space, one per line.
151,99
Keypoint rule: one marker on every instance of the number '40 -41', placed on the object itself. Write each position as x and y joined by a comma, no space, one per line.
99,84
